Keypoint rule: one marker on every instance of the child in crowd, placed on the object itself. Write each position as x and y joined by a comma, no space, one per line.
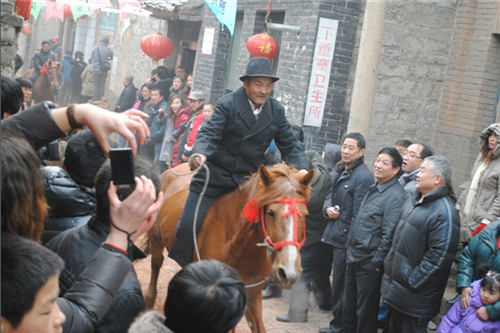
30,286
177,114
205,296
470,315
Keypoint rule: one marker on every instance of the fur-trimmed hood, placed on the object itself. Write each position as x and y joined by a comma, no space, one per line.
149,322
485,134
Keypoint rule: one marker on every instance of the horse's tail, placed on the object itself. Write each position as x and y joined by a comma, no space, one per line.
152,240
144,244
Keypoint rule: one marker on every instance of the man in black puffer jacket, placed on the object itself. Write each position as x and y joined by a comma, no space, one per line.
77,246
423,249
69,192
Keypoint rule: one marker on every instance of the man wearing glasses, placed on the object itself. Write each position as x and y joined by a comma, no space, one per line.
412,160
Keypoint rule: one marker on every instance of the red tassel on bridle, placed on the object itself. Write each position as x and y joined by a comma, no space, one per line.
251,213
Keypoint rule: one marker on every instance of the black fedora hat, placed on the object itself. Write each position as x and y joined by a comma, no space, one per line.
259,66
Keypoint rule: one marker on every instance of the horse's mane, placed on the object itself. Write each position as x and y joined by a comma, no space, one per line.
285,181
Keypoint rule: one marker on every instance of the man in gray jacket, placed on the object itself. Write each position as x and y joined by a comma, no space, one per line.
369,241
101,55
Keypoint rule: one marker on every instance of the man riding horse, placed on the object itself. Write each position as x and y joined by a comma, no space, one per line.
40,59
233,143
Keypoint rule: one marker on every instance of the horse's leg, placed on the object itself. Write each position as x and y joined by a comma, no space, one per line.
254,310
156,250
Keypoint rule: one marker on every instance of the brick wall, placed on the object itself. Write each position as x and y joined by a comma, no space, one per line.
470,88
295,59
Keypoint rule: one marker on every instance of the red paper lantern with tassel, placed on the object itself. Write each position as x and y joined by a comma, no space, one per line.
156,46
23,8
27,29
262,45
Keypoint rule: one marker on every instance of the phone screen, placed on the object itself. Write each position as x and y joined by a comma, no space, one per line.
122,166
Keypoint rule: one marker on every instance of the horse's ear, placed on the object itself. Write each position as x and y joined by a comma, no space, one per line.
307,178
265,176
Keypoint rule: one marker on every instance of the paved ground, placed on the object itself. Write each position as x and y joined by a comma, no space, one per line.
271,307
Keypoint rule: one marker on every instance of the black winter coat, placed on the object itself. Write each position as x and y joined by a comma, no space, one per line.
234,142
41,58
321,185
423,249
76,247
349,189
70,205
76,74
371,232
127,98
106,270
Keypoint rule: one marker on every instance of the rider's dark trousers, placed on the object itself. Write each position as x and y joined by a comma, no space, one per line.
183,249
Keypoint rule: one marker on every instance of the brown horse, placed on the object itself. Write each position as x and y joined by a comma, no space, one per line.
45,86
266,214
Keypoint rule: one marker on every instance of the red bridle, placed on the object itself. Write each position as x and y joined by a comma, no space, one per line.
251,213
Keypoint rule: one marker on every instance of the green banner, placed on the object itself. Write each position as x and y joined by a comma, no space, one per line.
79,11
35,9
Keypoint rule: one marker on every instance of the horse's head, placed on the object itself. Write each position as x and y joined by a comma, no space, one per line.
53,69
278,204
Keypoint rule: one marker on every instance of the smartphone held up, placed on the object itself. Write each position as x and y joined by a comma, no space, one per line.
122,166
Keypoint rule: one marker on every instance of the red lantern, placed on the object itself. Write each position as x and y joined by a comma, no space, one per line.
157,46
68,13
262,45
27,29
23,8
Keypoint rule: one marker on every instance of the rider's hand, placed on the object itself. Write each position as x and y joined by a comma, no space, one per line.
196,161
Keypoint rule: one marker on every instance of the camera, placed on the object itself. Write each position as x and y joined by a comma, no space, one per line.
50,152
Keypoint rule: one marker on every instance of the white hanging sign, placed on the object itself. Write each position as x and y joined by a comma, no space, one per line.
320,74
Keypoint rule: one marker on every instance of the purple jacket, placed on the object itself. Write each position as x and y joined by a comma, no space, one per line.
459,320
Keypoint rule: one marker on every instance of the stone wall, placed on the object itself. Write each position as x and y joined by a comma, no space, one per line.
437,78
11,26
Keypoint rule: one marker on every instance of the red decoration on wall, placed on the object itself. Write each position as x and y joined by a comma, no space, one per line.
262,45
27,29
156,46
68,13
23,8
